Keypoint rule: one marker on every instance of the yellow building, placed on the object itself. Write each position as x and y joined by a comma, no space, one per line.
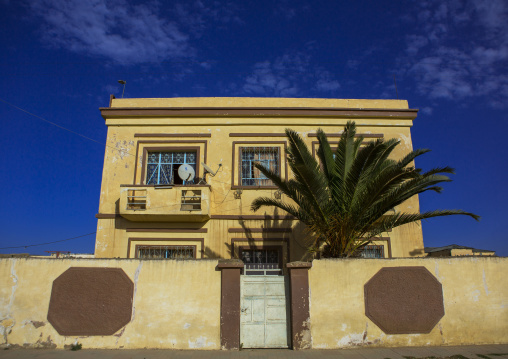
454,250
178,179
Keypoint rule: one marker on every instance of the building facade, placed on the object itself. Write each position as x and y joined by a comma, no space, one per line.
178,179
455,250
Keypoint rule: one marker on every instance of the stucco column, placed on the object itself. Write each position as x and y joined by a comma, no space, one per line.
230,303
299,303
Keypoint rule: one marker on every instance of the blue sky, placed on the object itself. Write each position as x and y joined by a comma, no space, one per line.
61,60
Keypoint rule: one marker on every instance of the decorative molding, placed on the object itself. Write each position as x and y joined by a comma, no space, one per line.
173,135
260,230
168,230
339,134
253,217
250,134
122,112
388,244
107,215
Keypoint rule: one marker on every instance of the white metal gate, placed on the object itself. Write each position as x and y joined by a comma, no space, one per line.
263,318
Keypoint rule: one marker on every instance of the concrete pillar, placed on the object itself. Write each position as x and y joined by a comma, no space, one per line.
230,303
299,303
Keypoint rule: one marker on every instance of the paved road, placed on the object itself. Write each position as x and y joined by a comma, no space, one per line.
471,352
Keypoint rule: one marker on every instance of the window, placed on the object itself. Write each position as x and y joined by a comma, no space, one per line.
166,252
162,167
261,261
269,157
372,251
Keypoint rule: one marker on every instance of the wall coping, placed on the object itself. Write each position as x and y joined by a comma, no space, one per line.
294,265
229,263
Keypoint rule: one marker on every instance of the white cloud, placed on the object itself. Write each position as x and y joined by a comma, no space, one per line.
426,110
287,76
270,79
112,29
124,32
460,50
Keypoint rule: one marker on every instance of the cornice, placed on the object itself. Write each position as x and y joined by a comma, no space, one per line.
123,112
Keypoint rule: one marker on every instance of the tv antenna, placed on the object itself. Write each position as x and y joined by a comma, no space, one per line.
209,170
122,82
186,173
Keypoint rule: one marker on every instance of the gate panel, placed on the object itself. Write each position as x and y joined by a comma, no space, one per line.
263,317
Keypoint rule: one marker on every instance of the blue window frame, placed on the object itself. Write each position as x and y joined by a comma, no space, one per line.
373,251
268,157
162,167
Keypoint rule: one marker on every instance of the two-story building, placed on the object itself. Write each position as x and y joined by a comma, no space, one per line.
178,179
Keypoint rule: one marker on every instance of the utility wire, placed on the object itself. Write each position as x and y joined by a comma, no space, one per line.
43,244
64,128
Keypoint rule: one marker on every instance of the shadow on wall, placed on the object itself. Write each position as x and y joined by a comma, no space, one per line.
297,235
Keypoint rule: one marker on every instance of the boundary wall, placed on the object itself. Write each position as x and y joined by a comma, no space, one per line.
175,304
474,297
195,304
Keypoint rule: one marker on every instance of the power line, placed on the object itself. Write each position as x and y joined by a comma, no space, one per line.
43,244
64,128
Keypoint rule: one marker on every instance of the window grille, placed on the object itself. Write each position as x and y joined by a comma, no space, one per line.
261,261
268,157
136,199
162,167
166,252
372,251
191,200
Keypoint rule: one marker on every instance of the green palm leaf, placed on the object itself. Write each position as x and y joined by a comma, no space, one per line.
346,196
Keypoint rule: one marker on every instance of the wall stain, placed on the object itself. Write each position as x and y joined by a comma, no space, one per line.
304,336
41,344
6,325
136,278
37,324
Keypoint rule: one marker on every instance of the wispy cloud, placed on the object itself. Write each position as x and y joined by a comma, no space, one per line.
287,76
114,29
124,32
445,66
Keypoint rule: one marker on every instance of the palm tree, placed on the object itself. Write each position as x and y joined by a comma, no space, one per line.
349,196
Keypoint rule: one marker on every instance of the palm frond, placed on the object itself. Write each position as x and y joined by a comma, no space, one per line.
346,198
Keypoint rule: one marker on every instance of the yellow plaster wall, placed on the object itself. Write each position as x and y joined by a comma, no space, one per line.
176,304
123,161
256,102
475,292
462,252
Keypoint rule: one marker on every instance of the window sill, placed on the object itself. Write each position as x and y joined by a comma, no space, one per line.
254,187
165,185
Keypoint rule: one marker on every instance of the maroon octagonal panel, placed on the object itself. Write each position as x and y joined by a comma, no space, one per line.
90,301
404,300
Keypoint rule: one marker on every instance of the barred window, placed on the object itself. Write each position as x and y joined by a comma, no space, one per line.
261,261
269,157
372,251
166,252
162,167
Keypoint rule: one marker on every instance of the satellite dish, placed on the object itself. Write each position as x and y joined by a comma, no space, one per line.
209,169
186,172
